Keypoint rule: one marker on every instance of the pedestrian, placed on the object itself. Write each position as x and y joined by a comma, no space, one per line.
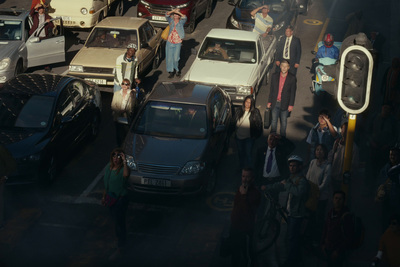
289,48
319,173
389,244
7,165
176,21
324,132
262,21
126,67
281,97
249,127
243,217
297,187
115,196
122,105
336,158
327,50
40,17
335,241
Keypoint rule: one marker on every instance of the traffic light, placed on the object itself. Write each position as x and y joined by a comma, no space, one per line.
355,75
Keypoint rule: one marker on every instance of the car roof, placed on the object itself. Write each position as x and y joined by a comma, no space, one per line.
233,34
121,22
181,92
13,13
36,84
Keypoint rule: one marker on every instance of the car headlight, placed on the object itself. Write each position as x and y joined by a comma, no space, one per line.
301,6
144,3
5,63
192,167
84,10
234,22
279,26
183,5
76,68
131,163
244,90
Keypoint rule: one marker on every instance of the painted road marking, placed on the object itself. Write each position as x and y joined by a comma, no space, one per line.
222,201
313,22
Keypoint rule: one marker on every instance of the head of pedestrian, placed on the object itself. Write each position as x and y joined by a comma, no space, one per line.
339,199
176,16
323,115
328,40
289,31
248,103
285,66
126,84
273,140
131,50
295,164
40,9
116,158
265,10
321,152
394,155
247,176
395,223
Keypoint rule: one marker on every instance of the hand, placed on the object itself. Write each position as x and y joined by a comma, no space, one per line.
296,65
283,182
278,63
316,59
123,157
38,5
269,105
243,189
47,20
290,108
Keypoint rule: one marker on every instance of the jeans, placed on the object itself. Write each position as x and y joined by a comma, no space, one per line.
293,241
172,56
245,148
118,214
282,114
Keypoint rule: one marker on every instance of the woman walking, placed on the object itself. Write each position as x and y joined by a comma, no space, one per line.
115,196
176,20
248,128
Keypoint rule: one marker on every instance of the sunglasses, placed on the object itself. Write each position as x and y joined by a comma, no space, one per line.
116,155
125,83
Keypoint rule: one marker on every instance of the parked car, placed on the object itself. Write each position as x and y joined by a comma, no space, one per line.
95,61
249,59
43,118
154,10
19,51
177,139
83,13
283,12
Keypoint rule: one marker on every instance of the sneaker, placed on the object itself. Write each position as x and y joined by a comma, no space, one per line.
171,75
178,74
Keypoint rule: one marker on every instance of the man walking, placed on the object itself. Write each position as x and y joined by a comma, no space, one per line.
281,97
289,48
126,67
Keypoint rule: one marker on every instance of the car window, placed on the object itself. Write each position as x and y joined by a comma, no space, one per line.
75,90
36,112
149,30
142,35
111,38
11,30
172,120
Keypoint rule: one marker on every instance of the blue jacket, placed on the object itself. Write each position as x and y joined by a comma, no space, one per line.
179,26
331,52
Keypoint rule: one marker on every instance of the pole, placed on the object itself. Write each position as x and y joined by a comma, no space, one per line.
348,154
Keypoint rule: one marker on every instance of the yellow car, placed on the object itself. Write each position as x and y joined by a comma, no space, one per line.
83,13
108,40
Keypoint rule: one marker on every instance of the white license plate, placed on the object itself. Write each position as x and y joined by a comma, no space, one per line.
97,81
156,182
161,18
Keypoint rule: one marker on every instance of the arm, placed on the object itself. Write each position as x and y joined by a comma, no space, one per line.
254,12
297,190
332,130
127,170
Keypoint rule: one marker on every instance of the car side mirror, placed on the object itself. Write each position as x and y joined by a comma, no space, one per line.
34,39
313,52
66,119
220,128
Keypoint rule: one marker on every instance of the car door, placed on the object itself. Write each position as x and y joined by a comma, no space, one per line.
147,51
49,50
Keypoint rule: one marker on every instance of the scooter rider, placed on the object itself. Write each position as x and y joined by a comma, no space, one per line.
326,50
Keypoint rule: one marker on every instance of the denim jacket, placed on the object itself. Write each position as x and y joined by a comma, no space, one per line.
179,26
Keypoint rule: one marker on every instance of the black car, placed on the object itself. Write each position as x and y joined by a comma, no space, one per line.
43,117
177,139
283,12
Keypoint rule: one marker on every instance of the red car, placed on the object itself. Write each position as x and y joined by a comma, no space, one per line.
154,10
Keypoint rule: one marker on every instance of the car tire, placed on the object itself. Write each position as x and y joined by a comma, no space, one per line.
192,24
18,69
50,171
211,182
119,11
157,58
209,9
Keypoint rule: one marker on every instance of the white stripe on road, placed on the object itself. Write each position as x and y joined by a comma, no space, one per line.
89,189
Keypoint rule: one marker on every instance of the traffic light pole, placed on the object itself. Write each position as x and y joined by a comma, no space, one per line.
348,153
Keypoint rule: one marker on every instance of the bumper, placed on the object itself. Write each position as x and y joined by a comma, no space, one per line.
6,75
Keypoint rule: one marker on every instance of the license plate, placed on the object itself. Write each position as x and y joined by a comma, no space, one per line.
67,22
156,182
161,18
97,81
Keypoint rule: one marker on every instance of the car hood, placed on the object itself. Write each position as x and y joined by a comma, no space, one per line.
165,151
22,142
8,48
220,72
97,57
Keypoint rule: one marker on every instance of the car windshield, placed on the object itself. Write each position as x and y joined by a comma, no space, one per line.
229,50
175,120
25,111
275,6
111,38
10,30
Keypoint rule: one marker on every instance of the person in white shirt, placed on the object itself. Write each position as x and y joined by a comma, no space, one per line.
263,22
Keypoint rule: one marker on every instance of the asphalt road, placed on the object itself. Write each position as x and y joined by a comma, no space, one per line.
65,225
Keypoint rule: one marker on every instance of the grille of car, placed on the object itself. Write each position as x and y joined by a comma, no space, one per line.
159,9
158,169
98,70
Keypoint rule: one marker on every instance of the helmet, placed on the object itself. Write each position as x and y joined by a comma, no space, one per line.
295,158
328,40
132,45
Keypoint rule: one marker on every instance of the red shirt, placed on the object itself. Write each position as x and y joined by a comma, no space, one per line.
282,80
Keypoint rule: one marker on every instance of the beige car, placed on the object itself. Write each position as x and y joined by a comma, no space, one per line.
108,40
84,13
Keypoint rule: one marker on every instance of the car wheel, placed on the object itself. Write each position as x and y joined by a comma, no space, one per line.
49,173
209,7
211,182
95,126
157,59
18,68
120,8
192,24
101,17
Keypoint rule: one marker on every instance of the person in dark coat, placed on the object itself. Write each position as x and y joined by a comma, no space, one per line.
289,48
282,96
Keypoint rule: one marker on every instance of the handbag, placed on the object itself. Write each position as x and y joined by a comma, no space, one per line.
165,33
267,118
110,200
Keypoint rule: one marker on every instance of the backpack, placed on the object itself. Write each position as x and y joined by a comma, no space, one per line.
355,236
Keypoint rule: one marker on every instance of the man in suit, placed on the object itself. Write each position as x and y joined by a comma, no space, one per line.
281,96
289,48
